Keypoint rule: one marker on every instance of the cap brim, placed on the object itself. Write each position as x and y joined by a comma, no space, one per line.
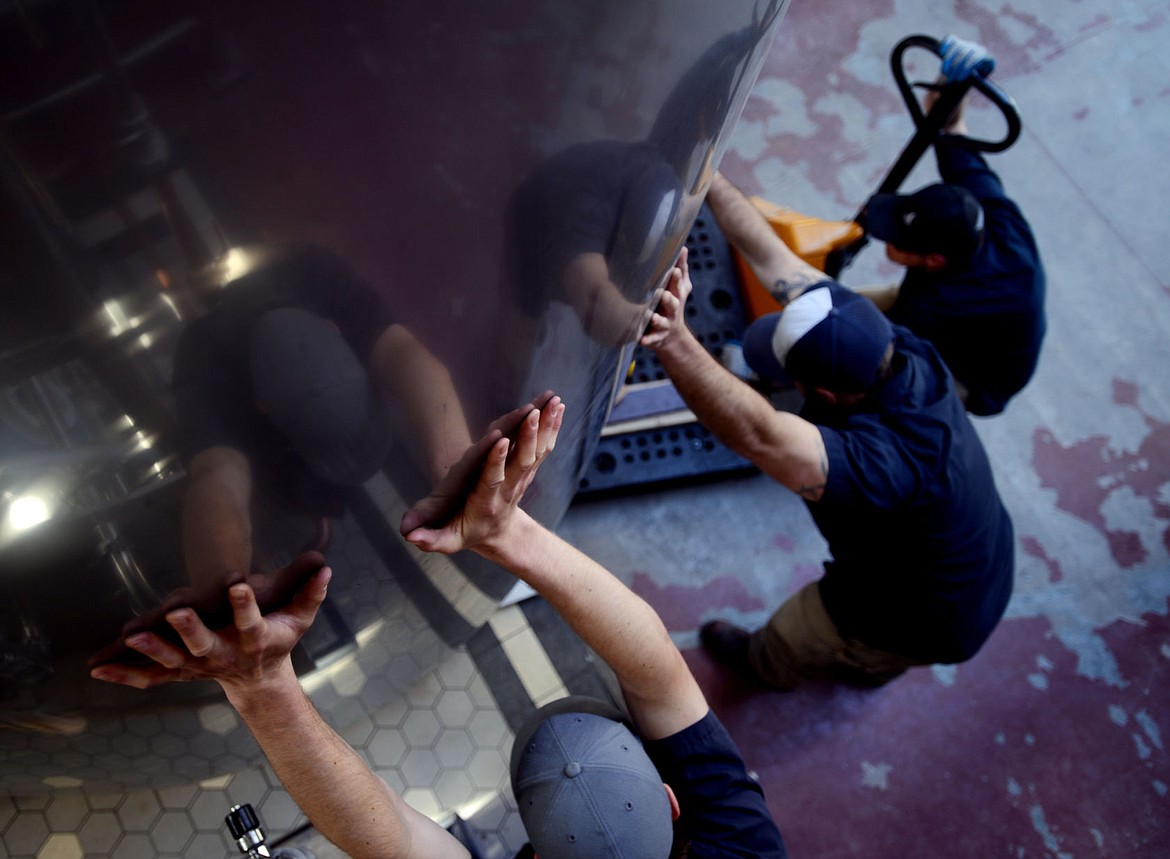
758,351
881,217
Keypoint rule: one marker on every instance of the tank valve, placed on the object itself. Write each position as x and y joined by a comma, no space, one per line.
244,824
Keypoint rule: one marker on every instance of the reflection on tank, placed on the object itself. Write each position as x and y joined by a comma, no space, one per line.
285,391
270,277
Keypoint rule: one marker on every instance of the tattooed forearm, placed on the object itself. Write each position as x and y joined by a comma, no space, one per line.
793,285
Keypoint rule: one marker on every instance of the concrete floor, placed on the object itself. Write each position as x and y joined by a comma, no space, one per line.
1052,740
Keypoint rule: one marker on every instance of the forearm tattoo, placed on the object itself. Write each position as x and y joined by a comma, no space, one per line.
791,287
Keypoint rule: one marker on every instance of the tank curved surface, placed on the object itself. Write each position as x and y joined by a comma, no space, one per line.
269,270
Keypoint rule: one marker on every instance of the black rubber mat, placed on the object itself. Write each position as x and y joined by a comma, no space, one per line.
652,457
715,313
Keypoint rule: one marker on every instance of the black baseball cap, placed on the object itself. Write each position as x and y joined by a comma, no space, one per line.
940,218
828,337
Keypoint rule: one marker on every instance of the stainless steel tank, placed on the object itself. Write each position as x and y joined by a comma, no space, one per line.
266,269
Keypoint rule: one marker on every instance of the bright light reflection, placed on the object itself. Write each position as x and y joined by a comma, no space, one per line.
170,303
27,511
235,264
119,322
476,804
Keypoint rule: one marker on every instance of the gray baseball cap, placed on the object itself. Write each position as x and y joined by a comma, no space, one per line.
586,788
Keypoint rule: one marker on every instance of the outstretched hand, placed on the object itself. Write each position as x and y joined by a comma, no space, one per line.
212,604
242,658
669,321
493,506
452,489
962,59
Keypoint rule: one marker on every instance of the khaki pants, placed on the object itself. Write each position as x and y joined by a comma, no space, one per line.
800,643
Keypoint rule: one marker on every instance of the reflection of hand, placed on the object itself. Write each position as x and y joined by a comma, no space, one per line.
456,484
490,511
669,322
212,605
243,658
962,59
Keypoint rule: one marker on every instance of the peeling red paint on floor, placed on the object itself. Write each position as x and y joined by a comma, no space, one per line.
1087,472
1013,757
683,607
1032,547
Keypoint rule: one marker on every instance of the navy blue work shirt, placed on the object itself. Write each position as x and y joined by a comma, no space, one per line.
985,318
923,549
723,808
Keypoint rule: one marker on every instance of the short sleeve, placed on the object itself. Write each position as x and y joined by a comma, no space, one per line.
723,813
867,469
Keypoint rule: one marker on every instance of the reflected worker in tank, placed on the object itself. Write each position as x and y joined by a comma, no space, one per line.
291,392
694,114
585,222
590,228
584,235
285,393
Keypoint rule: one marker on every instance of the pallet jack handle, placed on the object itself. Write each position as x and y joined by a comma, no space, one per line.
928,126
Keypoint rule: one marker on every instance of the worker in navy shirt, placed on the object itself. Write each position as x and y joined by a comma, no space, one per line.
974,284
885,457
664,781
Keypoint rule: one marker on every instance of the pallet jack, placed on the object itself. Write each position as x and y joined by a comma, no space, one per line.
651,438
832,245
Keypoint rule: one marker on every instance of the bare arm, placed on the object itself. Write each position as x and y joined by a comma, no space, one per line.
743,225
607,316
343,798
772,261
620,627
787,448
662,695
217,517
957,124
408,371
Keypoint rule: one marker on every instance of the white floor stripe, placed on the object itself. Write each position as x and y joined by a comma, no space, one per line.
529,659
472,604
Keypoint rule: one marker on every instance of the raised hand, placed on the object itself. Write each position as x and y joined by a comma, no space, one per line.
492,507
211,603
669,321
449,493
243,657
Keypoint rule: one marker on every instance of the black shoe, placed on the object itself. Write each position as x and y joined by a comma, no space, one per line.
728,643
